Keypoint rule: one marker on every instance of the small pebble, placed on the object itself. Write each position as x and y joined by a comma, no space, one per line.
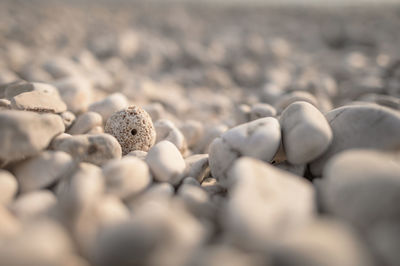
166,130
85,122
109,105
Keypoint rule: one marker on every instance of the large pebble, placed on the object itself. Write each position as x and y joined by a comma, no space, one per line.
305,132
364,126
8,187
264,202
258,139
166,162
96,148
321,243
109,105
40,98
362,187
85,122
24,134
126,177
42,170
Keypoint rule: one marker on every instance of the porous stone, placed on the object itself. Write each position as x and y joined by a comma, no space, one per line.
258,139
362,187
126,177
132,128
8,187
40,97
166,130
42,170
85,122
166,162
109,105
363,126
280,202
24,134
96,148
305,132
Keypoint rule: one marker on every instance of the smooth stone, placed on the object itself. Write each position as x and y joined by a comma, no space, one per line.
34,204
138,154
280,202
96,130
85,122
76,92
61,67
242,114
362,187
209,135
305,132
385,240
68,119
166,130
190,181
365,126
166,162
42,98
291,97
321,242
126,177
197,201
109,105
8,187
24,134
261,110
259,139
5,104
15,88
382,99
298,170
197,166
96,149
155,110
9,224
192,131
42,170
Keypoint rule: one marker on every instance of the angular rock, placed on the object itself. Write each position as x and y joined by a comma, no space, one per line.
126,177
264,202
166,162
305,132
96,149
364,126
43,170
24,134
258,139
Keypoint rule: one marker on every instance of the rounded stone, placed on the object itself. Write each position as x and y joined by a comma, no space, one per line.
8,187
133,128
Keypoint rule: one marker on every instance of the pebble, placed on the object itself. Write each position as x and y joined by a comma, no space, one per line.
166,130
68,119
209,135
24,134
138,154
126,177
33,205
362,186
5,104
17,87
61,67
109,105
85,122
261,110
275,196
96,148
40,97
76,92
321,242
193,131
132,128
197,166
372,127
258,139
8,187
166,162
291,97
155,110
305,132
42,170
9,224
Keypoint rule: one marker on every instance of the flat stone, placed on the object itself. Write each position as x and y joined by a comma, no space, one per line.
305,132
166,162
96,148
41,98
258,139
109,105
264,202
362,187
126,177
42,170
24,134
8,187
85,122
364,126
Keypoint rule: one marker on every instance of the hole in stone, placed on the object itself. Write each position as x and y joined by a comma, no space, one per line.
134,132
